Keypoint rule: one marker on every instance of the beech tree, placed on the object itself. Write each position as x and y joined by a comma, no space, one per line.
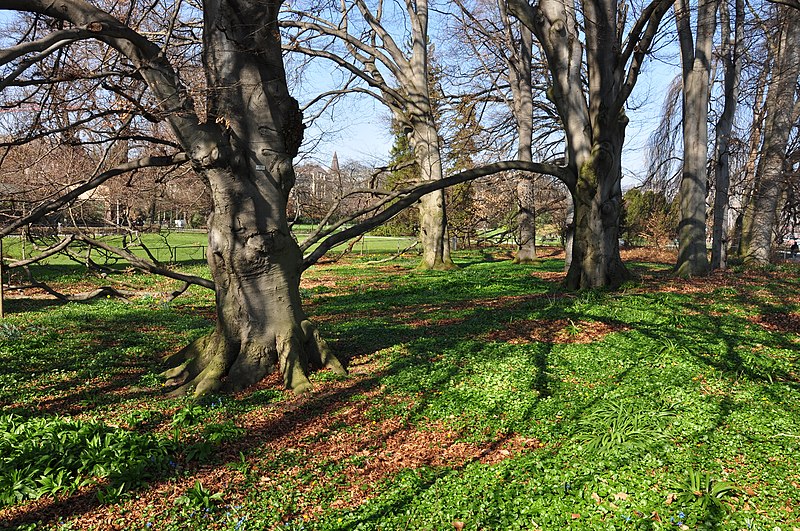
243,150
363,45
731,56
781,112
240,139
696,72
504,52
590,34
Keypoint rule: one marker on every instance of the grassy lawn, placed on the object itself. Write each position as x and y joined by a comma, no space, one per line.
187,246
483,398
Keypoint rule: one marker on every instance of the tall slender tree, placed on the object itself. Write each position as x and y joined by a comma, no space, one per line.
370,54
731,55
506,57
696,75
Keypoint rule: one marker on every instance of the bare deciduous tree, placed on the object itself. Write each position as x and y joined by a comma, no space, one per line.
761,214
696,72
240,142
370,53
731,56
593,114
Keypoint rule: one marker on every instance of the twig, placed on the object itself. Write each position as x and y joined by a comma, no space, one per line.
394,257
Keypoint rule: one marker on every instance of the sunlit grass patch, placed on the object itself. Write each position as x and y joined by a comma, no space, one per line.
486,396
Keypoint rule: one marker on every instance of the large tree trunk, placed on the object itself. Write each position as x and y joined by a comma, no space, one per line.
761,212
595,259
425,141
432,214
732,64
254,261
589,91
696,61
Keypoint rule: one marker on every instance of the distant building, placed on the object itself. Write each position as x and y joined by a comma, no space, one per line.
316,188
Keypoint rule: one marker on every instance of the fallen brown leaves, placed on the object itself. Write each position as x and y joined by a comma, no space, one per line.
554,331
371,449
374,449
783,322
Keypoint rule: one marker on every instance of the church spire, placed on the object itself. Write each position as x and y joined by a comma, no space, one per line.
335,163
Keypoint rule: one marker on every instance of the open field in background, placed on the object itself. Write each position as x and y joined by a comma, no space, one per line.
190,245
483,398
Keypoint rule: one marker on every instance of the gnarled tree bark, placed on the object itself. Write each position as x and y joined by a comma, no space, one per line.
255,262
244,151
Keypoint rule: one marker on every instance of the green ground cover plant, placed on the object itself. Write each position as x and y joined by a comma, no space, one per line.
482,398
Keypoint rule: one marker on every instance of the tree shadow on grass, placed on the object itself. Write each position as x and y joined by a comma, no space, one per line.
282,428
293,417
101,365
440,327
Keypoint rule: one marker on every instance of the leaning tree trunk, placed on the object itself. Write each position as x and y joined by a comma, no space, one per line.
761,213
253,258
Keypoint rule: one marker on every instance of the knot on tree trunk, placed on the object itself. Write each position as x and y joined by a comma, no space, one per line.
559,28
294,128
603,158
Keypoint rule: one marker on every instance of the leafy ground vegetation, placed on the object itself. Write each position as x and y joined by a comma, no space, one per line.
482,398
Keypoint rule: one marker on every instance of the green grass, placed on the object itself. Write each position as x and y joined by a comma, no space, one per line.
186,247
662,406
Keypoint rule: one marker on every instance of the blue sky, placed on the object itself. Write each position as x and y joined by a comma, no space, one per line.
357,129
360,126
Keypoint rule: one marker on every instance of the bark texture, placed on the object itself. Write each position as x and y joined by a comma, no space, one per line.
244,151
432,213
255,262
696,62
761,213
593,116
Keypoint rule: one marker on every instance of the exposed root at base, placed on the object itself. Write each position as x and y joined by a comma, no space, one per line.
211,363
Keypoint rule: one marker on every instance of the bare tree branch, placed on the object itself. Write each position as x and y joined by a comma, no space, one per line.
407,197
53,205
145,265
50,251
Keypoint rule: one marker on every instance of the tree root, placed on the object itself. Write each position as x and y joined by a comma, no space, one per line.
211,363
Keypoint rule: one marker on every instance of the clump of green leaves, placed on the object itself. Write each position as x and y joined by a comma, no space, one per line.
199,497
54,455
615,428
9,332
222,432
703,492
186,416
